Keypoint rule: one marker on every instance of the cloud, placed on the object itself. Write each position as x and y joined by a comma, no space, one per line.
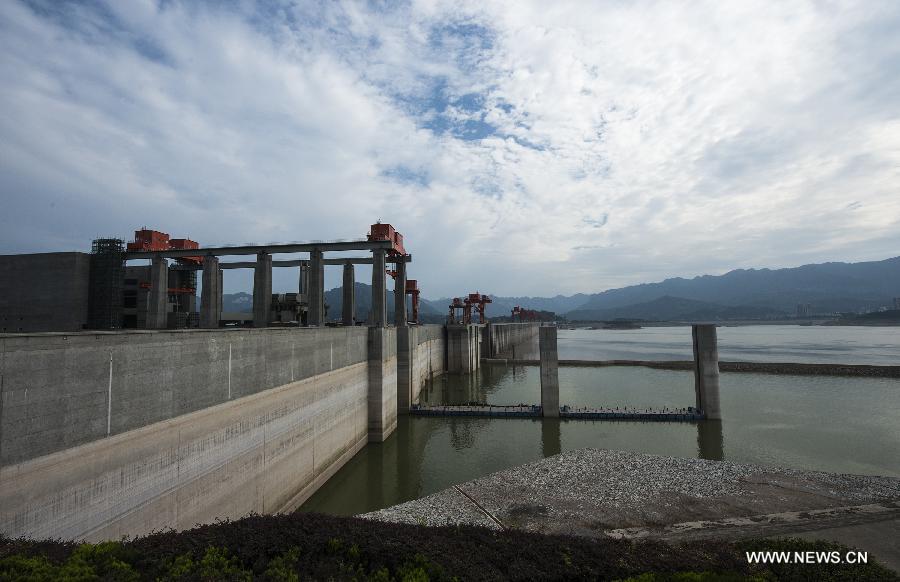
499,138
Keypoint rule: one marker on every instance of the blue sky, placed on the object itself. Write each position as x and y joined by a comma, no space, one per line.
522,148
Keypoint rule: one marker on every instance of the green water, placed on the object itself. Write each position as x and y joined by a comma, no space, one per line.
849,425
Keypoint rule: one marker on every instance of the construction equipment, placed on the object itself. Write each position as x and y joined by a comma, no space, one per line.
146,239
154,240
455,304
412,289
519,314
475,301
379,231
478,301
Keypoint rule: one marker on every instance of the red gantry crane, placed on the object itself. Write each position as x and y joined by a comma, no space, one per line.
475,301
154,240
523,314
379,231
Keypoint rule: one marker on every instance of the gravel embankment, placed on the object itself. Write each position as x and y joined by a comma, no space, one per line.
590,491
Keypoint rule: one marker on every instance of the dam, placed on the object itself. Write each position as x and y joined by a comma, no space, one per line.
107,431
106,434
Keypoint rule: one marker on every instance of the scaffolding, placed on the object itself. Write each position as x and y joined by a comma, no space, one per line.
106,280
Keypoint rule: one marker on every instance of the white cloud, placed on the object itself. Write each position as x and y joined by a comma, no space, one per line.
620,143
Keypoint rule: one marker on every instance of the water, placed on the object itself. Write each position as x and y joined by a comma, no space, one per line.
849,425
754,343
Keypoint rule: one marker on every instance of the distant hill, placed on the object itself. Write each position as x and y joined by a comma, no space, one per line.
237,302
739,294
827,287
670,308
334,298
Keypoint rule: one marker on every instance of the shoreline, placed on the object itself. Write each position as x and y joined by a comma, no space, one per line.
782,368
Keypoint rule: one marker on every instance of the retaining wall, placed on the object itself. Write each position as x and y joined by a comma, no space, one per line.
509,340
109,434
426,346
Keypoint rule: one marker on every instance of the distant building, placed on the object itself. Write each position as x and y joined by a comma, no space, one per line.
804,309
896,302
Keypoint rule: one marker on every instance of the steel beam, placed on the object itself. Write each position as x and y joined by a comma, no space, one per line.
358,245
296,263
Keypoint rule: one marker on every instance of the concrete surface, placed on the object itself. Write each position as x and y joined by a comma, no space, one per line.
382,398
706,370
262,290
263,453
210,290
44,292
549,372
510,340
63,390
463,348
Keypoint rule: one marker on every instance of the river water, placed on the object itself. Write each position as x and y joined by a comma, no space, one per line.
849,425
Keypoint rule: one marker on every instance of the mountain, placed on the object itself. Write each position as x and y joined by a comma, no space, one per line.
827,287
334,298
738,294
670,308
237,302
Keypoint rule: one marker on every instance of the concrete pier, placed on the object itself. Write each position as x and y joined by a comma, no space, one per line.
349,295
158,297
209,296
706,370
382,396
262,290
549,371
463,348
316,292
407,341
400,315
379,307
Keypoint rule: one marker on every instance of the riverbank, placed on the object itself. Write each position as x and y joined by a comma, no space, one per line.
786,368
605,494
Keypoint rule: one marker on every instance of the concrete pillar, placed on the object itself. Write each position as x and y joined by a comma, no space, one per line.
158,298
220,299
487,341
706,370
348,303
303,288
303,283
316,291
262,290
379,307
407,341
462,348
382,398
549,371
209,295
400,316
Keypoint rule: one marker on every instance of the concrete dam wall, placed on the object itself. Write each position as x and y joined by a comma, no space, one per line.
121,433
509,340
103,435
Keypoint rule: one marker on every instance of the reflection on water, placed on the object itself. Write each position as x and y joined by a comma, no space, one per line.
551,440
831,424
710,440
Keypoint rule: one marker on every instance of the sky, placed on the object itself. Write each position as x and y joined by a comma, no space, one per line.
522,148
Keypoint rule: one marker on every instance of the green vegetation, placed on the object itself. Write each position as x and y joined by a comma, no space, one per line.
317,547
